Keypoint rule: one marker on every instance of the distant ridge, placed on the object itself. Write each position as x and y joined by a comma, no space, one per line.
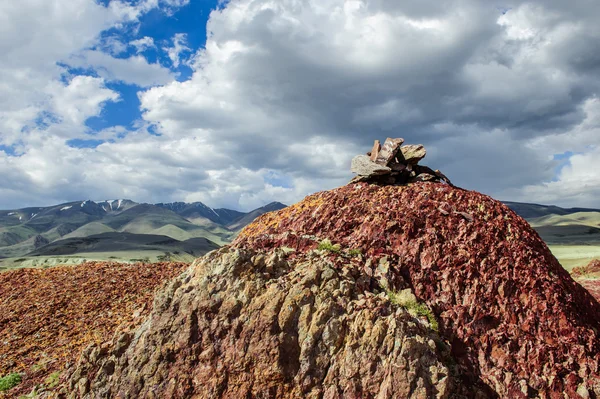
529,211
197,210
249,217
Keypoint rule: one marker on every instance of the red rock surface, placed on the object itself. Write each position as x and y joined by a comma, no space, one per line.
47,316
515,318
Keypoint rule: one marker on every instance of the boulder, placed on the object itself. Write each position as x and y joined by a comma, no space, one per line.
363,166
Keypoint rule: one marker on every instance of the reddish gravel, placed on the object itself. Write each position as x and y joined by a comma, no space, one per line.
49,315
591,270
516,319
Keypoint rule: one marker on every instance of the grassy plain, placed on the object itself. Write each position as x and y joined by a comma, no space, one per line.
571,256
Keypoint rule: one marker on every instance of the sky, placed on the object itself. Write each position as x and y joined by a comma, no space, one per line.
239,103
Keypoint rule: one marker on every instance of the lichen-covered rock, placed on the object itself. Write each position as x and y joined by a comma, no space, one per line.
246,324
515,318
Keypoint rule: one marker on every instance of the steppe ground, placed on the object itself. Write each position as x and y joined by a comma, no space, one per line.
121,257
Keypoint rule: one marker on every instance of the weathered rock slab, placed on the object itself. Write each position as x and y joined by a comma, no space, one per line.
363,166
374,153
412,153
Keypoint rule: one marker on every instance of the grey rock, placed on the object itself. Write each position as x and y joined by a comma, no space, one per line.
413,153
363,166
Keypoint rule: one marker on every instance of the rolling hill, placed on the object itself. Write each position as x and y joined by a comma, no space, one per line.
124,242
530,211
562,226
120,226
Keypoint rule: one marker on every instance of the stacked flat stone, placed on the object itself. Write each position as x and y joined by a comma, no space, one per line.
393,163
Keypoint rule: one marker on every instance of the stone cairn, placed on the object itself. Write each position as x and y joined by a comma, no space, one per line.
394,164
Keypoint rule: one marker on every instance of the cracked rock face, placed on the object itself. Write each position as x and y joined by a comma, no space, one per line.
242,324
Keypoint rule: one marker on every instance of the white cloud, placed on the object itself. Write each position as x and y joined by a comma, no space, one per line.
295,89
142,44
179,46
113,45
81,99
35,35
135,69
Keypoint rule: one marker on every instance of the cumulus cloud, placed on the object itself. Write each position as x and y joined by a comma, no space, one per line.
284,94
476,86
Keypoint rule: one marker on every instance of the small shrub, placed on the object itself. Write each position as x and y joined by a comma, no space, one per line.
355,252
9,381
326,245
52,380
408,300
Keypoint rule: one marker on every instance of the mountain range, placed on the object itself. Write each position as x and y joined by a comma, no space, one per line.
120,225
126,230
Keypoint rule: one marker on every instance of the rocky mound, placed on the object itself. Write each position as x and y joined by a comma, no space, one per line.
514,317
47,316
395,286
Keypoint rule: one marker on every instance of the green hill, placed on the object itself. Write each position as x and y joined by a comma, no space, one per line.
89,229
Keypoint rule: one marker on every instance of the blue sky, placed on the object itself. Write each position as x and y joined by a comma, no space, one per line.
131,99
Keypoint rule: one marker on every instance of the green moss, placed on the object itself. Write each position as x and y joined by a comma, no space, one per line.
9,381
326,245
407,300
